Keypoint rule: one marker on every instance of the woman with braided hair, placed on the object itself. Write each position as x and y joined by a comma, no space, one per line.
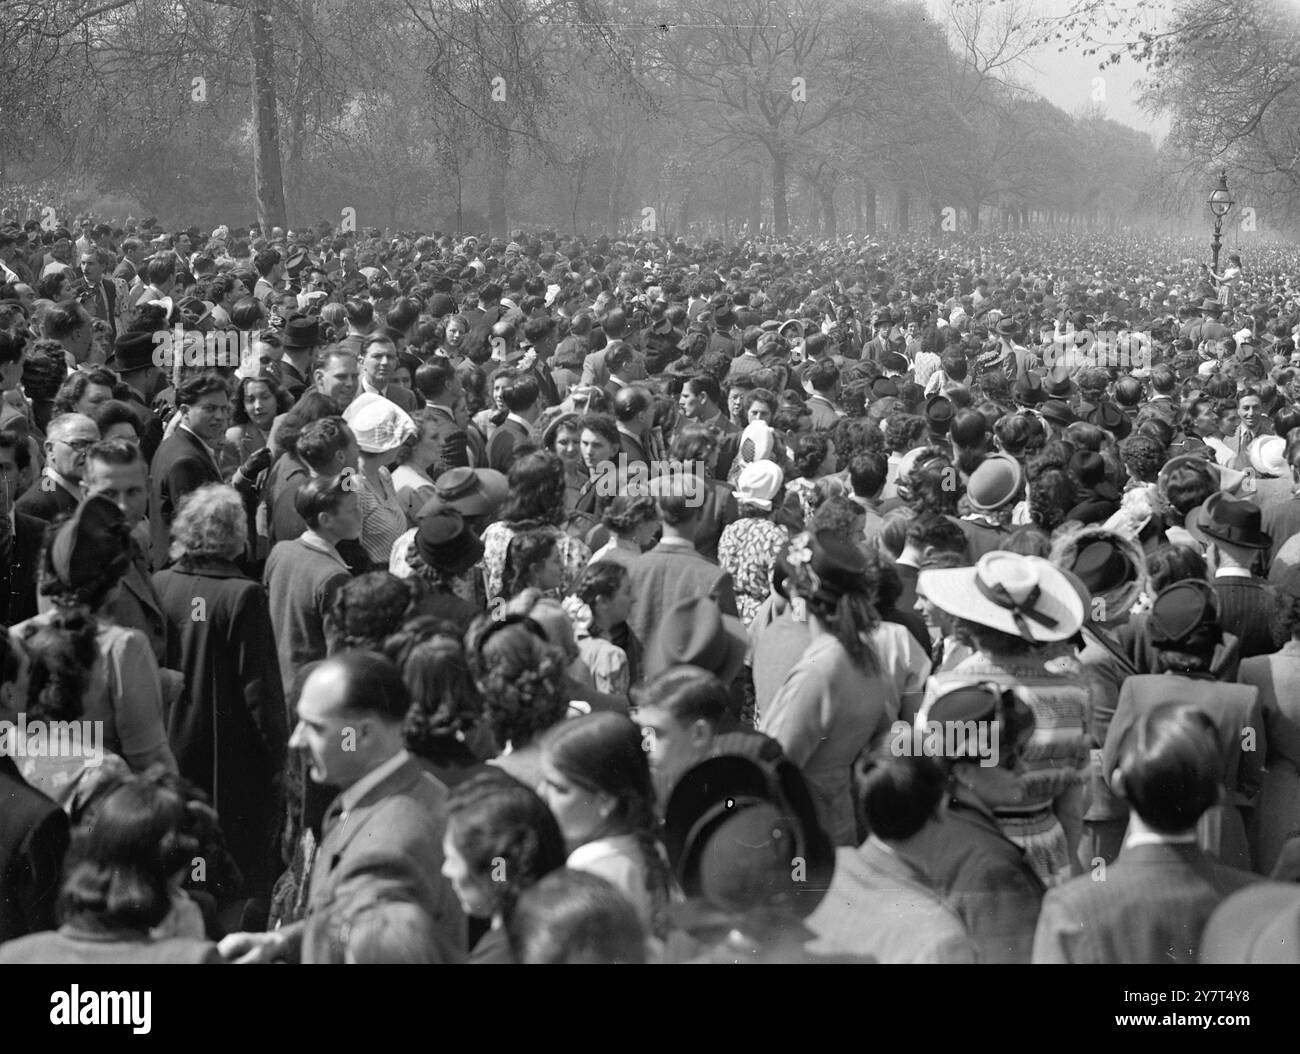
596,779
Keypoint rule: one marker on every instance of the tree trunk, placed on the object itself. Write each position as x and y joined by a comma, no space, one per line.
830,222
974,209
497,221
294,205
268,180
904,209
869,210
780,205
756,208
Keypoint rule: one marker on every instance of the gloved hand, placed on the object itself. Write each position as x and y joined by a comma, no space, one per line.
256,464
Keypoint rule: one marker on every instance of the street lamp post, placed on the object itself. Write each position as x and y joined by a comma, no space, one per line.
1220,202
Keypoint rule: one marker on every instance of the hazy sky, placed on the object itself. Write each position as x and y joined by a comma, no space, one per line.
1066,79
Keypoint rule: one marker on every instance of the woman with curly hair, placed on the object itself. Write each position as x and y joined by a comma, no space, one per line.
598,608
370,608
814,459
258,401
532,562
1051,497
536,502
444,727
414,459
230,730
596,779
562,437
632,520
501,839
81,572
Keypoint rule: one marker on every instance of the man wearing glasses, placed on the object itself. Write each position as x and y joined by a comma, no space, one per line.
58,490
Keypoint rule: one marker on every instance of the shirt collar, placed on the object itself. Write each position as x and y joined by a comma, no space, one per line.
312,540
366,386
198,438
518,420
351,797
65,483
1233,572
1155,838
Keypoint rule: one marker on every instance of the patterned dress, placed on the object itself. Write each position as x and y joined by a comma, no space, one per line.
574,555
748,550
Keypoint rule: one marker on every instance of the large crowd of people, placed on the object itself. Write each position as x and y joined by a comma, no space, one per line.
551,599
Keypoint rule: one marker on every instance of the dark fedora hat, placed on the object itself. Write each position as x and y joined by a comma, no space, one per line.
301,331
1057,384
1007,327
1211,306
695,632
446,543
1110,417
1028,390
132,351
1057,412
1229,521
1179,610
883,388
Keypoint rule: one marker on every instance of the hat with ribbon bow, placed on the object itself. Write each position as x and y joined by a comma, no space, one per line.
1024,596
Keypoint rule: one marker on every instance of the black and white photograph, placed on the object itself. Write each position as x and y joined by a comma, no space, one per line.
648,482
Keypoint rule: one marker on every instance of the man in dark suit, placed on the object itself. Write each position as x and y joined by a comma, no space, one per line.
674,570
185,461
99,297
634,412
382,837
378,360
33,835
522,400
1231,531
58,491
701,403
437,384
1156,898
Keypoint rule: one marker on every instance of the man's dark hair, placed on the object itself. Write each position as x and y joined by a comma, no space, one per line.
867,473
688,694
1171,764
433,378
374,684
119,452
822,375
521,393
317,496
900,795
631,401
703,384
265,261
321,440
196,388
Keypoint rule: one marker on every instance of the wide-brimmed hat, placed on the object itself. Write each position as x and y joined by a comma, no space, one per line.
445,542
995,483
695,632
378,423
1179,610
470,491
1268,456
1112,567
1025,596
759,483
1228,521
1211,306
